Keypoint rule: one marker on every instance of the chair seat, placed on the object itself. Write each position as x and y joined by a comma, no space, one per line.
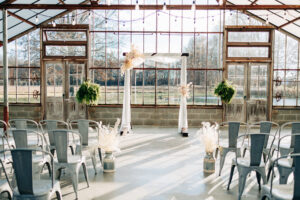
246,162
285,162
280,191
40,188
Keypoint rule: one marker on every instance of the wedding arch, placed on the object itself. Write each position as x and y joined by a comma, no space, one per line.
166,58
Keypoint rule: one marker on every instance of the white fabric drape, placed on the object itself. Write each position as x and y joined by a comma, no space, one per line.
182,121
126,115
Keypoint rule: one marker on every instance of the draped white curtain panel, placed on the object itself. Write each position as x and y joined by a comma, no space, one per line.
161,58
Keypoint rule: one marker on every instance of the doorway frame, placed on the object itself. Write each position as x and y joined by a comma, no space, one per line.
269,59
46,58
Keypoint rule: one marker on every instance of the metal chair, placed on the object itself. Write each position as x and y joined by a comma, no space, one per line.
264,127
4,159
71,163
21,138
47,127
283,148
273,191
90,143
26,186
246,165
233,132
24,124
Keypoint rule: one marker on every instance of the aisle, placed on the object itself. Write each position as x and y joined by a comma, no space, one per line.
157,163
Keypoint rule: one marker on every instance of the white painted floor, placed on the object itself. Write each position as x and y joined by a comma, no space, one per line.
159,164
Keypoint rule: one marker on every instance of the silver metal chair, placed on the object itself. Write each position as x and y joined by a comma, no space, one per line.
71,163
246,165
47,127
27,186
21,138
283,148
4,185
273,191
264,127
90,143
231,146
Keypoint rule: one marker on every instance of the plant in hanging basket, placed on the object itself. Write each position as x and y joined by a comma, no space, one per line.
88,93
225,91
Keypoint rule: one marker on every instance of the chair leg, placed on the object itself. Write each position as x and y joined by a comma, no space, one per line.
231,175
264,157
58,173
52,151
244,151
85,174
100,155
222,160
93,157
258,177
74,178
242,181
58,195
49,168
72,149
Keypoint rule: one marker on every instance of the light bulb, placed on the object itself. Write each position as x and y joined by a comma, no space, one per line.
193,8
105,25
90,15
73,22
137,7
164,6
267,20
143,25
221,2
124,24
194,23
285,15
36,19
108,2
53,24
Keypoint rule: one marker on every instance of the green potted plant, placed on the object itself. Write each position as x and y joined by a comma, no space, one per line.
225,91
88,93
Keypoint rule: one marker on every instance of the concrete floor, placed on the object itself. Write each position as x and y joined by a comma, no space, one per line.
159,164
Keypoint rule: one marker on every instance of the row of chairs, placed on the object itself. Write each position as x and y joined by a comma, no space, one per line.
48,137
262,139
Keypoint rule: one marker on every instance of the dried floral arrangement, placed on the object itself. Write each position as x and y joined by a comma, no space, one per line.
208,134
109,138
185,90
132,59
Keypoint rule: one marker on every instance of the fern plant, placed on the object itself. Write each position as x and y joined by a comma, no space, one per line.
88,93
225,91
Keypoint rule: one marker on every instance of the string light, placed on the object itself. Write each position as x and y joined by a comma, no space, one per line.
124,24
230,12
285,16
73,21
143,24
213,19
175,19
137,6
221,2
108,2
267,20
193,8
90,15
165,7
36,19
194,22
53,24
105,25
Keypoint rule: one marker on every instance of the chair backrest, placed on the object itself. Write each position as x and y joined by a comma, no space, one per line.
24,124
295,130
266,127
50,126
83,128
233,132
256,149
61,138
22,164
61,141
20,138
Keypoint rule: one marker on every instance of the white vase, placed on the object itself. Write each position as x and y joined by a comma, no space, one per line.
109,162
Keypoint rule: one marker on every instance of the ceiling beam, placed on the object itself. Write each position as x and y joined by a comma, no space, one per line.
289,22
146,7
21,18
8,2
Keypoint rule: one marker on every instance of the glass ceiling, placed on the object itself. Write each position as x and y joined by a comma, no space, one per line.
278,18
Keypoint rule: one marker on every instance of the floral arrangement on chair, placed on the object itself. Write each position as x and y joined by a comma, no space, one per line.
132,59
109,138
185,90
209,136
